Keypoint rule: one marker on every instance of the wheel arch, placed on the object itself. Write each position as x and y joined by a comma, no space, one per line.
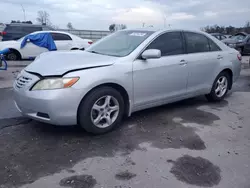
115,86
17,52
230,72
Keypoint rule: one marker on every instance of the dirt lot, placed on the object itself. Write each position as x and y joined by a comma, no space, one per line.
191,143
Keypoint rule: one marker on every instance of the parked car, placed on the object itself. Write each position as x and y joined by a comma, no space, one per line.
228,36
2,27
16,31
125,72
219,36
240,42
63,41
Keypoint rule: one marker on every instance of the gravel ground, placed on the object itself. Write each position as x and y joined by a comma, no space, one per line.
191,143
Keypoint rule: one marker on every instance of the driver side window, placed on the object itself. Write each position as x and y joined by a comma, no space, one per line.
168,43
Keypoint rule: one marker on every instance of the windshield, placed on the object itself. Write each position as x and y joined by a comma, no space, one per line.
238,37
121,43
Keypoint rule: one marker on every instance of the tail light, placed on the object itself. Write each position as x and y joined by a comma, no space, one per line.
3,33
239,57
90,42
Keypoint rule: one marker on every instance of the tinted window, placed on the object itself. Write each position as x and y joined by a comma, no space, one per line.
196,43
213,47
60,36
121,43
48,29
31,29
168,43
12,28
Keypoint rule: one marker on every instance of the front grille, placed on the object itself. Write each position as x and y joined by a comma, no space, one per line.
22,81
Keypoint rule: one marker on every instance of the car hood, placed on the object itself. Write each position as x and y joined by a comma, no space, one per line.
59,63
232,41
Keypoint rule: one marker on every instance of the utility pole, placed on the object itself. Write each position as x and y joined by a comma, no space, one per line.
24,15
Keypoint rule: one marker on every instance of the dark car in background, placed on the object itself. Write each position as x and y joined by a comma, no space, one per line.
240,41
219,36
16,31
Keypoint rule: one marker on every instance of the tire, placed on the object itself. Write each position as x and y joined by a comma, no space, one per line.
215,96
87,113
75,49
12,56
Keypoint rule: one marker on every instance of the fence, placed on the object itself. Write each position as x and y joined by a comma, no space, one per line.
88,34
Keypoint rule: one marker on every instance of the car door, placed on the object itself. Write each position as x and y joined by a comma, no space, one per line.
30,50
202,58
62,41
157,81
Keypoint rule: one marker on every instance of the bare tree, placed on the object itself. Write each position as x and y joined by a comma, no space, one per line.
70,26
43,17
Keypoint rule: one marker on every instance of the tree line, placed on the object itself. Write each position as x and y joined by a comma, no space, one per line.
229,30
43,18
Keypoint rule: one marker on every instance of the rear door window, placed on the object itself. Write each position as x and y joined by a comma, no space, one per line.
30,29
170,43
196,43
60,37
11,28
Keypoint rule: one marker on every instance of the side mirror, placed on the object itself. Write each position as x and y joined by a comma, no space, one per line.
151,54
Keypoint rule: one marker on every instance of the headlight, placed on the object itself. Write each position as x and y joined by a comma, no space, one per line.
55,83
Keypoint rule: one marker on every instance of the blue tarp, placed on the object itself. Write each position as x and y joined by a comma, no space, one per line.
40,39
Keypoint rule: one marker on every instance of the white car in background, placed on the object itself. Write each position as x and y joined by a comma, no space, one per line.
63,41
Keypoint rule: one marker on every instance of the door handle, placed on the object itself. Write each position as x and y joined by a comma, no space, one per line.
183,63
219,57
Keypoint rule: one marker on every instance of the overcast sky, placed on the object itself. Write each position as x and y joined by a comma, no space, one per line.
99,14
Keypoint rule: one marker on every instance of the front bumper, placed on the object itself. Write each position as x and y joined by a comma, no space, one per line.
58,107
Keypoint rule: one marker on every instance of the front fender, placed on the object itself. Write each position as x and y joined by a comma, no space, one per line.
91,78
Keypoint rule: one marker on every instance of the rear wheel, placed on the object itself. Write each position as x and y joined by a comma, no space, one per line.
101,110
220,87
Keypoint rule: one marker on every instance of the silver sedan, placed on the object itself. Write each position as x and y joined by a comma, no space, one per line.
125,72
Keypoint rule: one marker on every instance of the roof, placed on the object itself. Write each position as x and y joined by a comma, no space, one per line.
26,24
62,32
242,33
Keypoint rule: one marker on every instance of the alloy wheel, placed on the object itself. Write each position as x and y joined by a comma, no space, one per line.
105,111
221,86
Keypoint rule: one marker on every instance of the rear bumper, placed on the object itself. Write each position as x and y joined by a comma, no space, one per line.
58,107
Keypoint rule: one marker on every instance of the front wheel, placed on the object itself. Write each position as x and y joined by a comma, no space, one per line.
101,110
12,56
220,87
